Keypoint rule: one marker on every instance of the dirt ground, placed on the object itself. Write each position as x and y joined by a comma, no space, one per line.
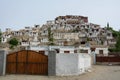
99,72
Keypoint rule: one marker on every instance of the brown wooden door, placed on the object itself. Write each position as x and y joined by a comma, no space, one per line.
27,62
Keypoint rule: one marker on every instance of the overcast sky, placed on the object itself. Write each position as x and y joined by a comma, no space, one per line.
17,14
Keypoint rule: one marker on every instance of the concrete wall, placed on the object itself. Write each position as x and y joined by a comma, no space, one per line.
46,48
93,57
52,63
39,48
87,61
67,49
85,48
2,62
68,64
105,51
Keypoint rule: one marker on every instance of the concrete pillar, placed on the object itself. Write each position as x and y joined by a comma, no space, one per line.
3,62
93,57
52,63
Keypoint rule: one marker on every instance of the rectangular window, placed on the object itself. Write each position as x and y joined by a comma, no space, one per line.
83,51
101,52
75,51
108,34
66,51
83,42
42,52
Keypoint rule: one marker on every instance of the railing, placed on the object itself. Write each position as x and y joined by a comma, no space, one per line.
110,58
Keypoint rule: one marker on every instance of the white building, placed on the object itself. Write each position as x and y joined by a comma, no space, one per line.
5,37
58,49
99,50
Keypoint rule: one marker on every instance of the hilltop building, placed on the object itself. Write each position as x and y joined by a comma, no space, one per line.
69,30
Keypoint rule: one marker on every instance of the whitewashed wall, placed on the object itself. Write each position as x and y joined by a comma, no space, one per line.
68,64
39,48
81,62
67,49
85,48
87,61
105,51
46,48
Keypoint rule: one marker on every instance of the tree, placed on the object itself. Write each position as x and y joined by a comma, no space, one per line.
114,32
50,37
116,35
13,42
0,36
117,45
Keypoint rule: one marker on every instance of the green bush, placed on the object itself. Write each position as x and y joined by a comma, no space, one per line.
13,42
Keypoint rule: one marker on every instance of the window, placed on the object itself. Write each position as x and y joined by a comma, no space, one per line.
83,51
65,43
83,26
3,39
87,26
57,50
66,51
75,51
83,42
108,34
90,34
101,52
97,30
42,52
86,30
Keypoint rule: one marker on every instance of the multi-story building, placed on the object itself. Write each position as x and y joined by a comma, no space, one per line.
67,30
65,38
71,19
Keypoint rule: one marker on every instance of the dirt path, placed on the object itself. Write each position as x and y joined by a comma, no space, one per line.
98,73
